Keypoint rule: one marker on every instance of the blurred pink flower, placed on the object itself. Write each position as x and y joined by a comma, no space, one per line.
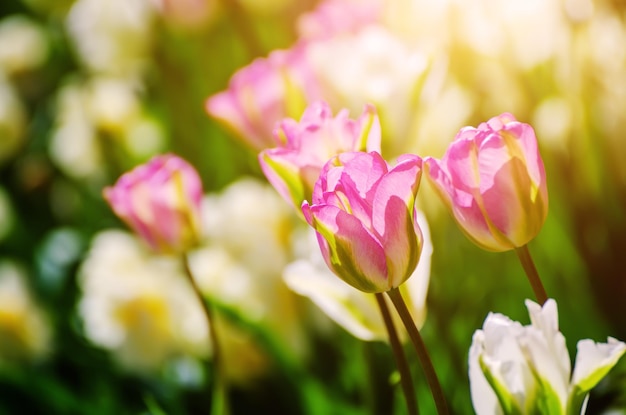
263,93
160,201
305,146
493,181
332,17
363,213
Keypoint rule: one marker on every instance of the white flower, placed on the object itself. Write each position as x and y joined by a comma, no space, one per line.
138,305
74,143
112,36
247,228
371,66
355,311
24,330
24,44
517,369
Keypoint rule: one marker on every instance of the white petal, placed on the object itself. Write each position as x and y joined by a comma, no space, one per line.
354,310
484,400
594,361
545,347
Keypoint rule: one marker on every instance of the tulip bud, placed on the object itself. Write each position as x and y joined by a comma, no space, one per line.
493,181
160,201
363,212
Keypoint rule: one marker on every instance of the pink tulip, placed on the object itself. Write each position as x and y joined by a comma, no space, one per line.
263,93
305,146
493,181
363,212
160,201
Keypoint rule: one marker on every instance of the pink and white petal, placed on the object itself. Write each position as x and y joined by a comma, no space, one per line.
509,207
283,175
461,165
525,137
392,218
363,171
354,254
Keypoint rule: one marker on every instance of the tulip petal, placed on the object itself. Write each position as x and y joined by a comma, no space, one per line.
349,249
544,346
350,308
284,175
363,171
462,205
392,218
484,399
524,137
594,361
461,164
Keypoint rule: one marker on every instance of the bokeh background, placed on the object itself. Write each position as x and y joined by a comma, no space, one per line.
92,322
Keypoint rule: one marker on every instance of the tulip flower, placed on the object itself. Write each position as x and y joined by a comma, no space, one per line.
354,310
517,369
363,212
294,166
493,181
160,201
263,93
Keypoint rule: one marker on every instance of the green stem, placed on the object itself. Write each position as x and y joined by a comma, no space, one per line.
531,272
420,348
219,403
398,353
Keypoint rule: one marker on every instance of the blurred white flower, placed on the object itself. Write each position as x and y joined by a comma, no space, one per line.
24,44
517,369
138,305
74,143
247,229
12,120
112,36
112,102
371,66
355,311
24,331
250,221
100,112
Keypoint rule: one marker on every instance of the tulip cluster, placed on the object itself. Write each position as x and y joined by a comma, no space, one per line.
492,180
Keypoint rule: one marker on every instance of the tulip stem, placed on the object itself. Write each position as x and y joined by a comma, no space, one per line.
398,352
420,348
531,272
219,403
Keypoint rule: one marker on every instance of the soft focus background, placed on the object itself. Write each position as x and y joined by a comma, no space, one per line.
92,322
